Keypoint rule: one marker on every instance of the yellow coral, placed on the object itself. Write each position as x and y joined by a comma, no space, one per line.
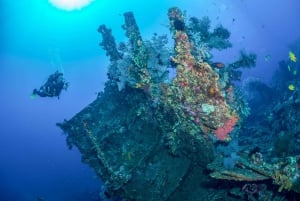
283,181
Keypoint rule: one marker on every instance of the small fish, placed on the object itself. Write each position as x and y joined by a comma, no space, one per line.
291,87
267,57
33,96
292,56
295,72
218,65
289,67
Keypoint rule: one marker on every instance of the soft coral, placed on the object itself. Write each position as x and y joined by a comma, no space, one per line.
222,133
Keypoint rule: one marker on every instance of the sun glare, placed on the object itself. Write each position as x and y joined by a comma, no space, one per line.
70,5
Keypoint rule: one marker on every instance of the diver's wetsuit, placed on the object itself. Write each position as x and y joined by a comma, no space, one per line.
53,87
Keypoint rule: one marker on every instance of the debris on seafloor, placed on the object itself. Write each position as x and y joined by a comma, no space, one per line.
285,172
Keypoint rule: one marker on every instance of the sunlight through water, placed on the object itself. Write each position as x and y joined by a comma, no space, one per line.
70,5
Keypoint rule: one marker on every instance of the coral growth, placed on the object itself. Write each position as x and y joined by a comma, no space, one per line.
204,40
198,84
222,133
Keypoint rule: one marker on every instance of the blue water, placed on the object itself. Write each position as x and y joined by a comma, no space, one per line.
37,39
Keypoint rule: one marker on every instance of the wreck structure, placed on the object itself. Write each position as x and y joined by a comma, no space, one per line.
149,136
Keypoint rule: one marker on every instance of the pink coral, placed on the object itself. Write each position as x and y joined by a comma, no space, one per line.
222,133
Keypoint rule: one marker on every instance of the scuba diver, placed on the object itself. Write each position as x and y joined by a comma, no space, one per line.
53,87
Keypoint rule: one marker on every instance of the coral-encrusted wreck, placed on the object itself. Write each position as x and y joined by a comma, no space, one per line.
147,136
